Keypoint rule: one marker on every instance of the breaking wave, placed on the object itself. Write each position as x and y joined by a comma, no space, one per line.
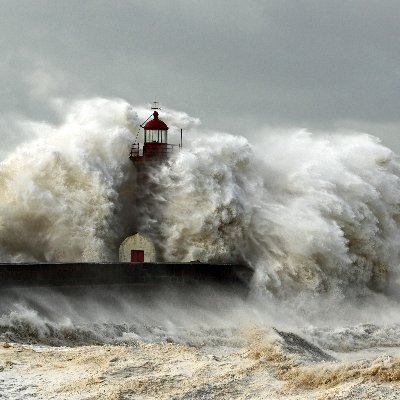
317,214
61,193
73,317
309,213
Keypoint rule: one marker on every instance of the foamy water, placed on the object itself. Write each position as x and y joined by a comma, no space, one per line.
316,217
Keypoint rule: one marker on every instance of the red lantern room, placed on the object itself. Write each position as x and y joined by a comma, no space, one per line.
155,131
155,146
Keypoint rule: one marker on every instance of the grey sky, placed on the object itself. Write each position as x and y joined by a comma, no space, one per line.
238,65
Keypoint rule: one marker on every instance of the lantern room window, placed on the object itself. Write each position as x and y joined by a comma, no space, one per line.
158,136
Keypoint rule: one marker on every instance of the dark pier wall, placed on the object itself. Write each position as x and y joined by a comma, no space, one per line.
79,274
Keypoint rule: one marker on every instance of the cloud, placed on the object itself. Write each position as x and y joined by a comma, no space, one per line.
236,65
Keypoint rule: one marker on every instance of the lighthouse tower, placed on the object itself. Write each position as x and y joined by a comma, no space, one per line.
155,149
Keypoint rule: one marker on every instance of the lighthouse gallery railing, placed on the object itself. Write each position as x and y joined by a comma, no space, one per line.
151,150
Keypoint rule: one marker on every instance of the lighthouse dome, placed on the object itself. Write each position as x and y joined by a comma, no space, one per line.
156,124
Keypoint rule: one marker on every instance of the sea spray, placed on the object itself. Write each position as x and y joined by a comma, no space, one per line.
63,195
307,213
311,214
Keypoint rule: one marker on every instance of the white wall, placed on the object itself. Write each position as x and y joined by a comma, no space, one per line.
137,242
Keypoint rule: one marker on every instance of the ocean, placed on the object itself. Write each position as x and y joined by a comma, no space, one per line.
315,216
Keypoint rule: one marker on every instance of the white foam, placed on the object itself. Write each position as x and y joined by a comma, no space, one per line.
310,214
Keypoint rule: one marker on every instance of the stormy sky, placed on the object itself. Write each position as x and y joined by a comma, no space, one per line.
240,66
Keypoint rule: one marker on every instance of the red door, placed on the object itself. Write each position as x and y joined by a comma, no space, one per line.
137,255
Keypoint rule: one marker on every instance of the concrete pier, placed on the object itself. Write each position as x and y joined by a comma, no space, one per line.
139,274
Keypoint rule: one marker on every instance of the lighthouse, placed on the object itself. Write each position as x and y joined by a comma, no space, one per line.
155,140
154,150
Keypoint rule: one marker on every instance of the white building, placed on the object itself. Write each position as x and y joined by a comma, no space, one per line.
137,248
